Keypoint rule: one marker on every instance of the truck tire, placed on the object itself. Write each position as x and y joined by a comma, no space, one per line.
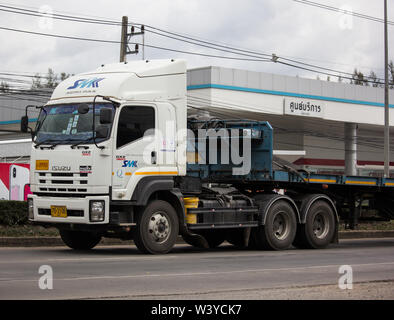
279,230
319,228
157,228
79,240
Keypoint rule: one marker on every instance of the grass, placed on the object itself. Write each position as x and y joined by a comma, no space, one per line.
38,231
371,225
27,231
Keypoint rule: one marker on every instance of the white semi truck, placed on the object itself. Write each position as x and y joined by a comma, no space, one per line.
115,155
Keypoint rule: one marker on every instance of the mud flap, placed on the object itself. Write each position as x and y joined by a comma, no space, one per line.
195,240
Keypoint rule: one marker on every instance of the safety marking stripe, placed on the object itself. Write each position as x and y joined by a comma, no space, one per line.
322,180
372,183
156,173
149,173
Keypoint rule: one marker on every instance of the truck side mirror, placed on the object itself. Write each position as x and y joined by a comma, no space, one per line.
83,108
105,116
102,132
24,124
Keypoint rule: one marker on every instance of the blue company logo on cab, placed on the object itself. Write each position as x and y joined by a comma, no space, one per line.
128,163
86,83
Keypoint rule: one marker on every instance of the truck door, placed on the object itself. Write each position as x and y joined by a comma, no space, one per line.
166,138
135,145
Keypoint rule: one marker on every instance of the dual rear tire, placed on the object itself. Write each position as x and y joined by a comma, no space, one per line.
319,228
281,231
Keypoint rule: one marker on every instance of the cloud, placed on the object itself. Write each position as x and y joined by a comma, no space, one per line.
283,27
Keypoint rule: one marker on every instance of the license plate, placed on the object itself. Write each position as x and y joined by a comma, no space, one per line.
59,211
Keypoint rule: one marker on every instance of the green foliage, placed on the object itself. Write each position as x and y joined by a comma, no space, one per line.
4,87
13,213
51,79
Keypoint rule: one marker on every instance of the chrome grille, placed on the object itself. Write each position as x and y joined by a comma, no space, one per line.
62,181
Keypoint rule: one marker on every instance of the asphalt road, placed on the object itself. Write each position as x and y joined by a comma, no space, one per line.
121,272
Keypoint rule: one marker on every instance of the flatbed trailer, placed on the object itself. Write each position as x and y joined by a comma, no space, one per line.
317,201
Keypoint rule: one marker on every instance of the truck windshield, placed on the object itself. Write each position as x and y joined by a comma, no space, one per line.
63,124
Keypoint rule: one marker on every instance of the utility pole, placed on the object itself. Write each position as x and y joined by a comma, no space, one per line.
386,99
123,39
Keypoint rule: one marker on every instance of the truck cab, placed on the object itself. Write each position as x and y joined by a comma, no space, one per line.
105,141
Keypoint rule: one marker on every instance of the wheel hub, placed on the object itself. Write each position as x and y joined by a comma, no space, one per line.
320,227
159,227
281,226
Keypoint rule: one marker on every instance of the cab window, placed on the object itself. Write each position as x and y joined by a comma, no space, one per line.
133,123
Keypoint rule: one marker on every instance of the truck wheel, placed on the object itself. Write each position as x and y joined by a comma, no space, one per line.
319,227
157,228
279,230
79,240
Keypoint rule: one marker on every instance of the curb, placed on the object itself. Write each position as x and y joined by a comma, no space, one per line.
56,241
364,234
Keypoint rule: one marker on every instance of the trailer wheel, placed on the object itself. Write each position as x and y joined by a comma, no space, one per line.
279,230
79,240
157,228
319,227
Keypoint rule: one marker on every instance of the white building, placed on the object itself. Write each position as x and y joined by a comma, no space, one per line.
314,116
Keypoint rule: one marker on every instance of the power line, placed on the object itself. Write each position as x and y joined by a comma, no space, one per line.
258,54
329,74
95,21
335,9
192,40
18,109
37,13
328,69
118,42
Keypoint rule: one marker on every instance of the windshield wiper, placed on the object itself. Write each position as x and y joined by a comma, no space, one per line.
81,142
48,141
52,143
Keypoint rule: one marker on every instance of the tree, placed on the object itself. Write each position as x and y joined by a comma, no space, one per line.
391,74
36,82
51,79
64,76
358,78
4,87
374,79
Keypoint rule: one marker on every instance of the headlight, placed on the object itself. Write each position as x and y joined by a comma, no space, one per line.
97,210
30,209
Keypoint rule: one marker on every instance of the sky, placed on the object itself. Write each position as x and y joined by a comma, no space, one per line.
284,27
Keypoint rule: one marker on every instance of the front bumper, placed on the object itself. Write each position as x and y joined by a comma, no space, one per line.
77,209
